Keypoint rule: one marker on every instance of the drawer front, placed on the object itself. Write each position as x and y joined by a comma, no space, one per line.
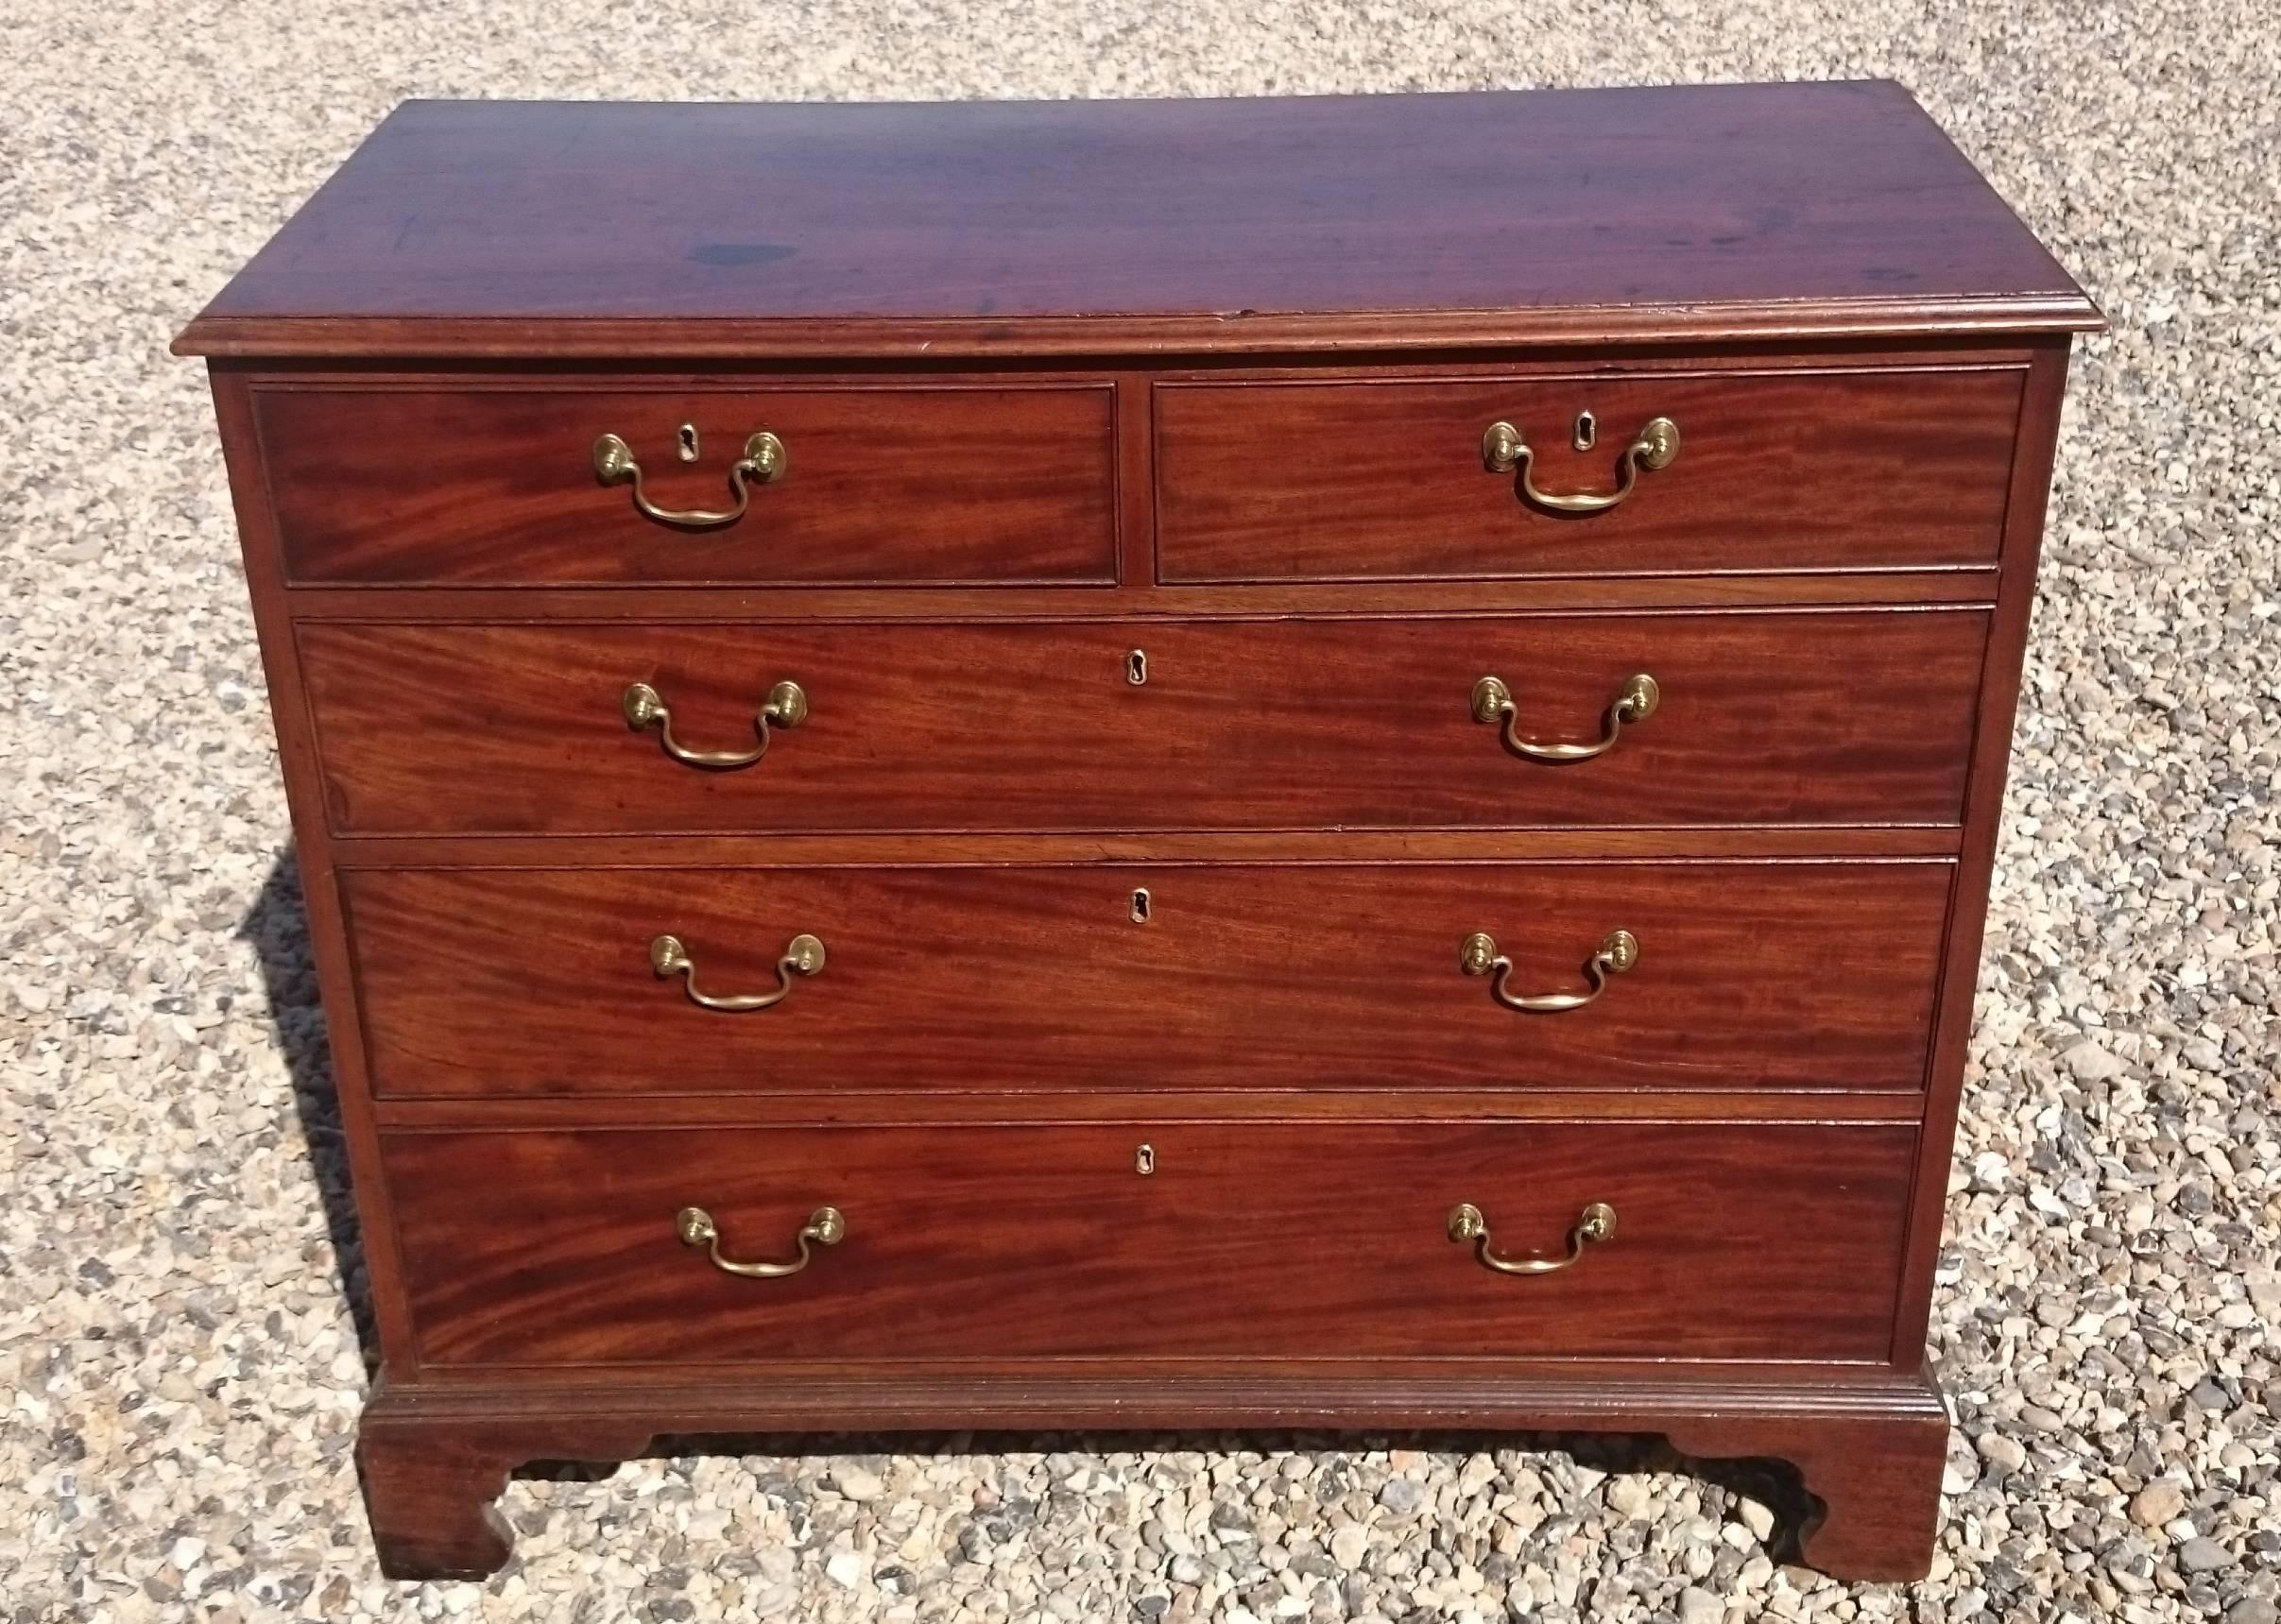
1748,975
902,485
1856,717
1366,480
1266,1240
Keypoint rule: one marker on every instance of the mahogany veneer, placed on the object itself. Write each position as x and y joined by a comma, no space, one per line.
1830,717
1758,1240
1751,975
1135,537
1364,479
508,495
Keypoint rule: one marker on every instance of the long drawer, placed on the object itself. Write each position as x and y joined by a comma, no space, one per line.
1241,976
1759,717
1366,478
901,484
1717,1240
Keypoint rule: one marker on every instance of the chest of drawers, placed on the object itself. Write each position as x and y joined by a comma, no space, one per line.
1315,764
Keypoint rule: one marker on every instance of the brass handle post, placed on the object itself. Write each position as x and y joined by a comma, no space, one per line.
1595,1224
802,956
1504,451
763,463
1635,701
825,1226
643,706
1478,956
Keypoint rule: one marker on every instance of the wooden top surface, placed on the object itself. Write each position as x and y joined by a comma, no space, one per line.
533,229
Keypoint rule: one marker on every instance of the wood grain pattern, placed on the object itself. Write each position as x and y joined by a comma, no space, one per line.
1861,718
296,341
492,483
1348,478
1492,1102
1139,598
1293,1242
500,983
1197,847
559,228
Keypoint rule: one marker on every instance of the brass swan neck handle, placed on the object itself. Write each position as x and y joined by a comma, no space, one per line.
802,956
1635,701
1504,451
825,1226
645,707
1595,1224
1619,952
763,463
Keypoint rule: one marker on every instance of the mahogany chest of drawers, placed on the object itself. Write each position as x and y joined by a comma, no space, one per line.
1306,763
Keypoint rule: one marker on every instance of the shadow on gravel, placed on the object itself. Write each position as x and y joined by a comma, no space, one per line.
279,928
786,1466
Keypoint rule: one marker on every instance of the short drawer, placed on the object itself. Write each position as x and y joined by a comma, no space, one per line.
1361,479
1760,717
1259,1239
882,485
1771,974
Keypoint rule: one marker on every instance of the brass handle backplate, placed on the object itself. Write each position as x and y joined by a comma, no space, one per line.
802,956
1595,1223
762,462
643,706
1635,701
1478,956
1504,451
825,1226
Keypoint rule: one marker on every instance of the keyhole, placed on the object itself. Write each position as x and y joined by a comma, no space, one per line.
1140,905
1136,667
1144,1160
1587,432
685,442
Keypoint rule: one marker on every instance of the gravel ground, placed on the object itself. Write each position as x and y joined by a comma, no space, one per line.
180,1374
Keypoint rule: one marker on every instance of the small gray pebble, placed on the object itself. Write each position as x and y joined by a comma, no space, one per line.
2203,1554
1400,1496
